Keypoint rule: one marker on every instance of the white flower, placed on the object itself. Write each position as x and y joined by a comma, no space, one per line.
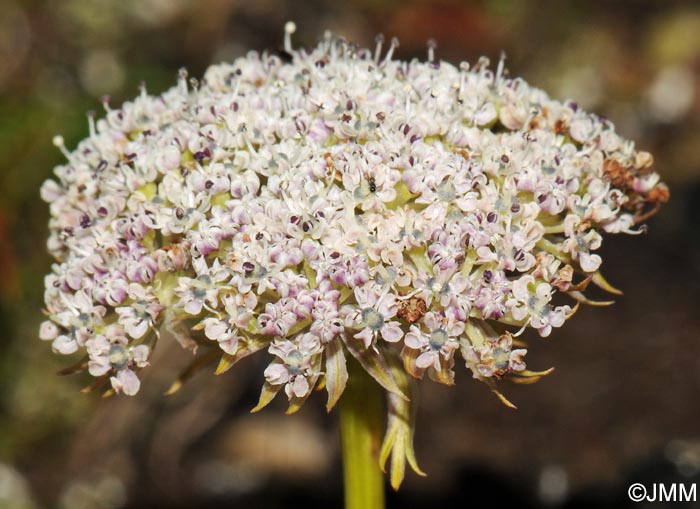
336,202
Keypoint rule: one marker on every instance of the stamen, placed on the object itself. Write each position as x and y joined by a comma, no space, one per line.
394,44
501,66
91,123
105,103
432,45
377,52
59,143
182,80
464,69
289,28
408,99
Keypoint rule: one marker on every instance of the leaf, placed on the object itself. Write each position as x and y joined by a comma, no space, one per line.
78,367
372,360
573,311
578,296
554,249
97,384
446,375
267,394
601,282
398,440
192,369
527,377
581,286
409,356
475,332
336,372
178,330
499,395
246,348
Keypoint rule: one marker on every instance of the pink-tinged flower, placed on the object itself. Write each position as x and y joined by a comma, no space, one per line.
237,315
374,316
294,365
111,354
436,340
530,304
138,317
126,381
203,290
495,358
333,204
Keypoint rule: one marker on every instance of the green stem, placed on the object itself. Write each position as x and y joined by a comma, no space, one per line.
361,427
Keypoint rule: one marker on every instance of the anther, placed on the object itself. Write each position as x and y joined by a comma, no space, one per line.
60,143
289,28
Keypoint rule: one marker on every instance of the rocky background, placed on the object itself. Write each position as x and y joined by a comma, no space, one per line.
622,405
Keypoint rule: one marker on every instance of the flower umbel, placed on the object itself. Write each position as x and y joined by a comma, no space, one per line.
339,203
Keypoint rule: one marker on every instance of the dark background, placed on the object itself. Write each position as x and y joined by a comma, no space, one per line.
622,405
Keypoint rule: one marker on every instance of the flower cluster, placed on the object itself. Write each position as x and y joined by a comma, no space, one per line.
331,202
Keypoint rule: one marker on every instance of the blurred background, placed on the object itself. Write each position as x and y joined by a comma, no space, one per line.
622,405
